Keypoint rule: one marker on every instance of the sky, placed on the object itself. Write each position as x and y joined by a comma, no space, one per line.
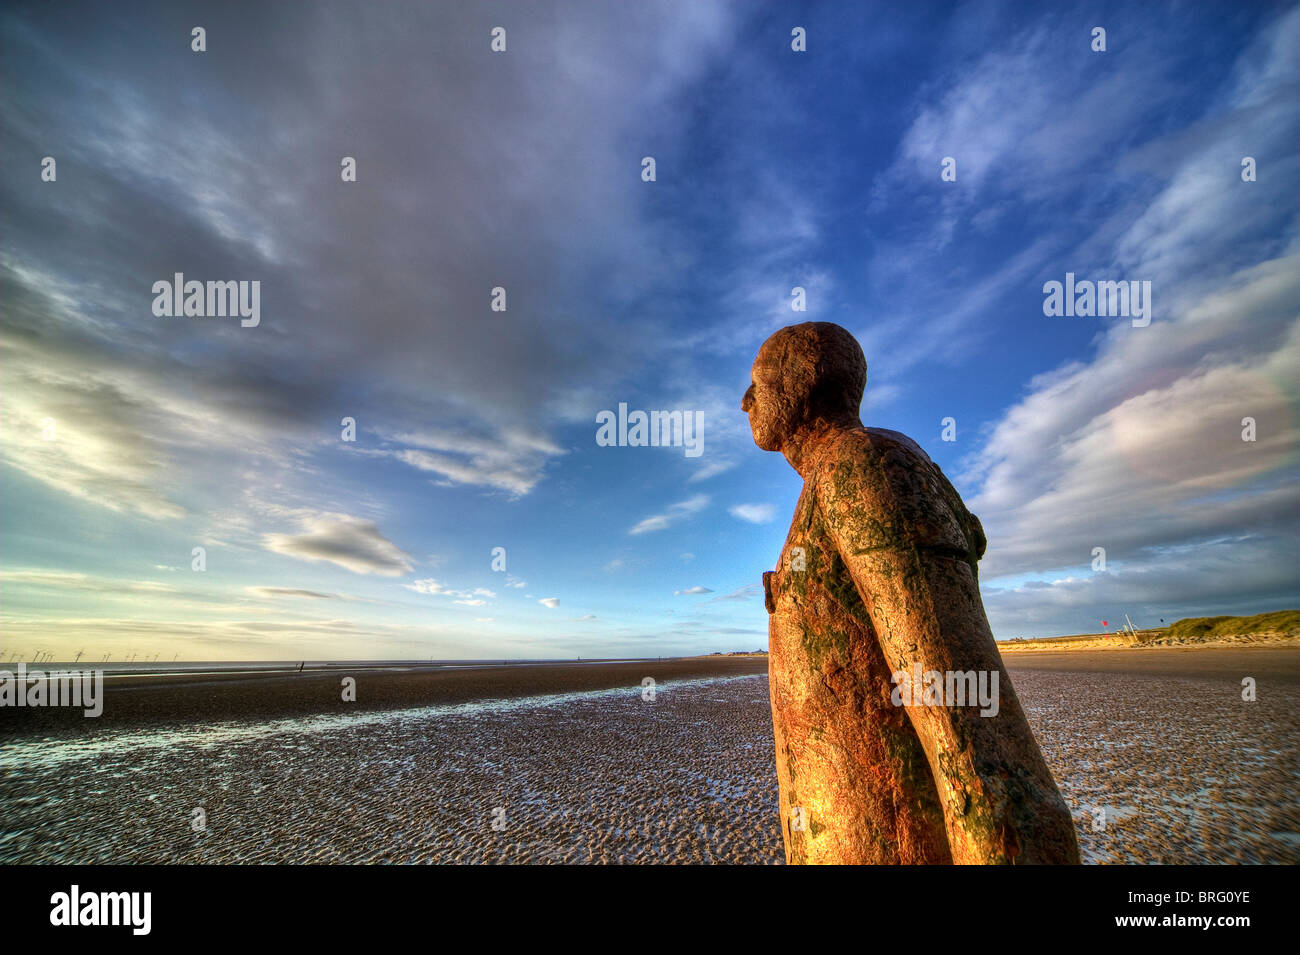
128,439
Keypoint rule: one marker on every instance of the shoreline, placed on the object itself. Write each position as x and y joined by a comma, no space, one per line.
208,696
156,699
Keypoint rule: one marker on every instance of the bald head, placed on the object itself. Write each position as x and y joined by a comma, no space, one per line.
804,374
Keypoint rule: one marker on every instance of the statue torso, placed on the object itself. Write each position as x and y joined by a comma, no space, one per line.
846,756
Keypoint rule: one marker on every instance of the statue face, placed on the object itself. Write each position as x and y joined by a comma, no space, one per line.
766,404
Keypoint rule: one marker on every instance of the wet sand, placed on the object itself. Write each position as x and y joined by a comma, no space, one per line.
1156,753
595,776
166,698
1159,757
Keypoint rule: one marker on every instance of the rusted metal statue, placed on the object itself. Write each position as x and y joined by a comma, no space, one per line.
879,641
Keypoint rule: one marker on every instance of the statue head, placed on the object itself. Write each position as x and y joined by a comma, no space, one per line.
805,376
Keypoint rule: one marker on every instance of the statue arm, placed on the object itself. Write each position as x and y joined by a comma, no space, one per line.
914,566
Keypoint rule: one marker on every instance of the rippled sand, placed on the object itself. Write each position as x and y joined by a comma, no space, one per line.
593,777
1170,769
1156,768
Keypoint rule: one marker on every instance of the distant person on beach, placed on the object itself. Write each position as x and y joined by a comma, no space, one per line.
877,591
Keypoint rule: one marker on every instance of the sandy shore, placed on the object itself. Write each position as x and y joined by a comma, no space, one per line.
591,776
1280,664
1157,755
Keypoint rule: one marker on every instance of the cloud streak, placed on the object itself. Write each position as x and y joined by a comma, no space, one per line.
673,515
349,542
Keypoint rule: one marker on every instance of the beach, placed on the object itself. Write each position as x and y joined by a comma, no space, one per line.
1155,751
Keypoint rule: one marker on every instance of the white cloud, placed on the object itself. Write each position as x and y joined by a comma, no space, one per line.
65,580
88,431
511,460
350,542
753,513
1142,446
426,586
466,598
697,589
712,468
675,513
1138,449
551,602
1204,578
290,592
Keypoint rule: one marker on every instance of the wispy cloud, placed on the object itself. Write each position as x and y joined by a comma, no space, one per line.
468,598
128,439
1142,447
1139,449
64,580
511,460
290,592
747,592
675,513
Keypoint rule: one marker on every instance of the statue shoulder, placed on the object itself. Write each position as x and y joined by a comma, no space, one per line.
865,463
878,488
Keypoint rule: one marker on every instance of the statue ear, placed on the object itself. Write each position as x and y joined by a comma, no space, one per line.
981,541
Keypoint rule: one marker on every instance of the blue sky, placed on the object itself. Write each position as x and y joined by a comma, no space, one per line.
522,169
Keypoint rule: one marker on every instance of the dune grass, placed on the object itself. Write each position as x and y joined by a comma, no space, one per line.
1192,628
